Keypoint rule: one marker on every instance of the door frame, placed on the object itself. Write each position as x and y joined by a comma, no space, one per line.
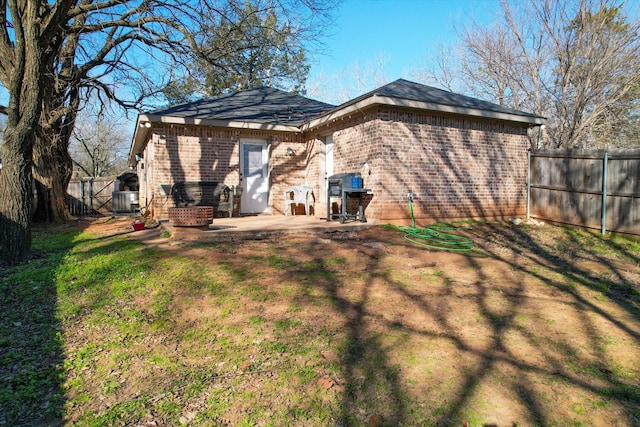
326,167
265,172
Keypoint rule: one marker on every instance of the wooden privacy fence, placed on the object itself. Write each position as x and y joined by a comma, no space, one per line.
90,196
588,188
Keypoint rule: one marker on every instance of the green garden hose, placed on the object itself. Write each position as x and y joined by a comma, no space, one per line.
434,237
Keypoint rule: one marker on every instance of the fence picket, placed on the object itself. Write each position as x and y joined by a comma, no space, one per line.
589,188
90,197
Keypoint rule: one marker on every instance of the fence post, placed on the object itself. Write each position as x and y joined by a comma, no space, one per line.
91,196
605,161
82,198
528,184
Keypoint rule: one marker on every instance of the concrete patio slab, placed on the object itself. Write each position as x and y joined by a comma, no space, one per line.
247,227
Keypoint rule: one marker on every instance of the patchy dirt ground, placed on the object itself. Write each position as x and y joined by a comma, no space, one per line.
536,326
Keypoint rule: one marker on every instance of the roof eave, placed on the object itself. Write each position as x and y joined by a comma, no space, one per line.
145,122
140,137
236,124
341,112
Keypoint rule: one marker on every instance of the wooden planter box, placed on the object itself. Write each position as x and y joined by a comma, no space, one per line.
192,216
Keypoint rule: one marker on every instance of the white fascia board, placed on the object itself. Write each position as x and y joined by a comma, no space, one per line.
139,140
511,117
399,102
220,123
337,114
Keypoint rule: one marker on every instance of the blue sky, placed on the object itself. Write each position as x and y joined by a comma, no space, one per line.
383,40
399,34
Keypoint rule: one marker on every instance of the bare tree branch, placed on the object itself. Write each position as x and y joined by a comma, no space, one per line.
567,60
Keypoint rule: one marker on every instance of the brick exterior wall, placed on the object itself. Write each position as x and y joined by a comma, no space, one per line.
201,153
455,166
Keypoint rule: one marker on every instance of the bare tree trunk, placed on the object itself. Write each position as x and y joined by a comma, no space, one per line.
52,163
16,195
23,113
52,171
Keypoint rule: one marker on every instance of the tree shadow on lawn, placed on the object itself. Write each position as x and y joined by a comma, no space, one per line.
524,353
31,346
32,356
373,386
521,297
576,287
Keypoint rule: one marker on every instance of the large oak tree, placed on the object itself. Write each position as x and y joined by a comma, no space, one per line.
101,47
31,36
55,55
51,55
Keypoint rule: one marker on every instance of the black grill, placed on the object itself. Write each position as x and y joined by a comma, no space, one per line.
346,185
339,181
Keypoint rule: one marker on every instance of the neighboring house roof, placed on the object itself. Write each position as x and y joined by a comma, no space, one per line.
403,93
273,109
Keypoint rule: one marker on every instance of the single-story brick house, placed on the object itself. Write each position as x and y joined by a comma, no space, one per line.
459,157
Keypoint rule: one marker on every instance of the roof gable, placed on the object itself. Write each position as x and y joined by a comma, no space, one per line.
406,94
404,89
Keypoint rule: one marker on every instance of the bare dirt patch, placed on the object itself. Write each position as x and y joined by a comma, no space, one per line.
537,326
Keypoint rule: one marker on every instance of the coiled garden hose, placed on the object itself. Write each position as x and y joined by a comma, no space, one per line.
434,237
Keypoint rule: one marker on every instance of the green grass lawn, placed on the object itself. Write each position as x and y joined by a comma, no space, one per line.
536,326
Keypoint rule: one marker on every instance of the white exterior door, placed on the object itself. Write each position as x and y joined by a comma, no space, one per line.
255,176
326,166
328,159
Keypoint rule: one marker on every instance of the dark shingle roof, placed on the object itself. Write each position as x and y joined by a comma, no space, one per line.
259,105
404,89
